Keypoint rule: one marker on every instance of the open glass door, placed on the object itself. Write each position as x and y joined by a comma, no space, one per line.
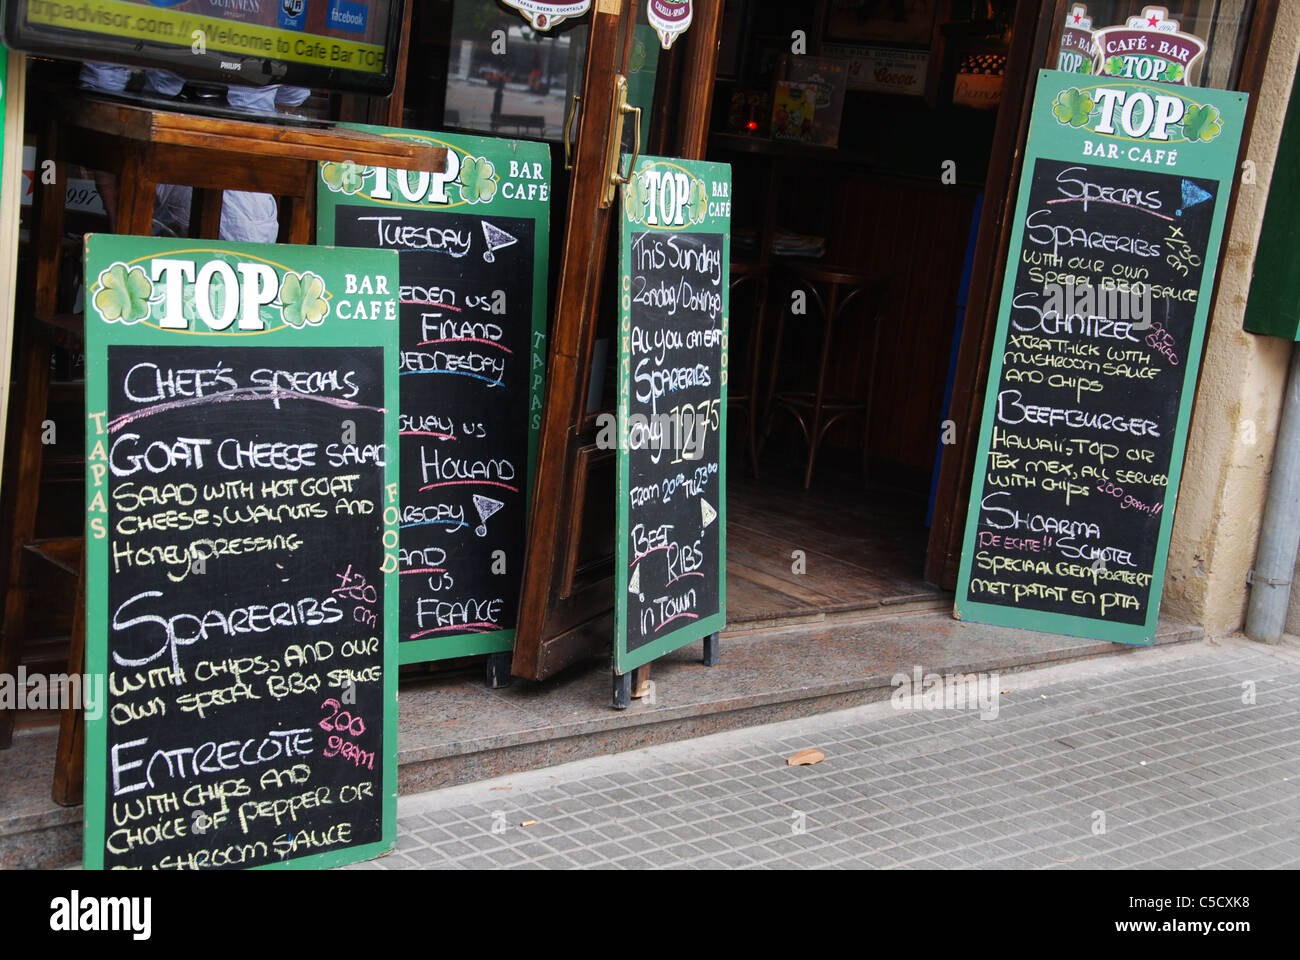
566,605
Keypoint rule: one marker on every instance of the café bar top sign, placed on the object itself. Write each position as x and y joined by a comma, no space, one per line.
1103,311
1148,47
241,553
472,244
1075,52
671,556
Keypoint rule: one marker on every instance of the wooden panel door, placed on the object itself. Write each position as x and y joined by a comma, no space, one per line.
1030,37
566,606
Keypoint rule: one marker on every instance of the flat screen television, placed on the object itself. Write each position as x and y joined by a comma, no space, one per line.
347,46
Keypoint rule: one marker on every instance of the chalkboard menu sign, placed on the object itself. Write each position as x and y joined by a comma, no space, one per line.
472,243
672,408
241,533
1103,312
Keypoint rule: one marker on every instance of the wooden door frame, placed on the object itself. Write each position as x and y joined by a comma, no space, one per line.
586,228
554,627
1035,26
15,82
1030,39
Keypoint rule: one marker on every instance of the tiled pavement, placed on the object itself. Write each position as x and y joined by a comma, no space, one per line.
1152,760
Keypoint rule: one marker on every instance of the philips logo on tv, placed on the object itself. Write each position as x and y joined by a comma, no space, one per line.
292,14
345,15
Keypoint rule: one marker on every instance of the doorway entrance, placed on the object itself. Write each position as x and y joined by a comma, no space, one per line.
856,260
850,451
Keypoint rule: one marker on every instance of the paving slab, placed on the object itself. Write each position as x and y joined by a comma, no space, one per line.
1000,817
451,730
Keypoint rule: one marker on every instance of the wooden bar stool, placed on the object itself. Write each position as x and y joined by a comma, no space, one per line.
142,147
834,290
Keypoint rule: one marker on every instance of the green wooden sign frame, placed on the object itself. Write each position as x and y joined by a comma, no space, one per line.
706,210
1068,111
1273,304
330,266
496,188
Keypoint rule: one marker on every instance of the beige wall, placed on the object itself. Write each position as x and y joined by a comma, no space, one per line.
1234,421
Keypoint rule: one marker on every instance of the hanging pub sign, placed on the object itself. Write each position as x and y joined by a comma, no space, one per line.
473,243
1149,47
545,14
1108,286
1075,53
670,583
670,18
241,553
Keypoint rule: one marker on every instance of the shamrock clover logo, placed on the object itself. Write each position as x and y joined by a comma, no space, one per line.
478,180
346,178
1202,123
637,61
302,299
699,203
124,294
636,196
1073,107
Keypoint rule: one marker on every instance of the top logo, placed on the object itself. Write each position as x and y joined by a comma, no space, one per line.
1149,47
1075,54
667,196
1135,114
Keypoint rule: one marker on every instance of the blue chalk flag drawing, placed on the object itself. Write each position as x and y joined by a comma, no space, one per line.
1192,195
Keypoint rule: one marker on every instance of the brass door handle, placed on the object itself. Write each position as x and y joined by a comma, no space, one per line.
621,108
636,144
568,131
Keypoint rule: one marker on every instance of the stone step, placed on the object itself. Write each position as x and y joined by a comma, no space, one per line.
468,733
452,730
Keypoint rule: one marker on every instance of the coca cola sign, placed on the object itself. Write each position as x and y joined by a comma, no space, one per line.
670,18
882,69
